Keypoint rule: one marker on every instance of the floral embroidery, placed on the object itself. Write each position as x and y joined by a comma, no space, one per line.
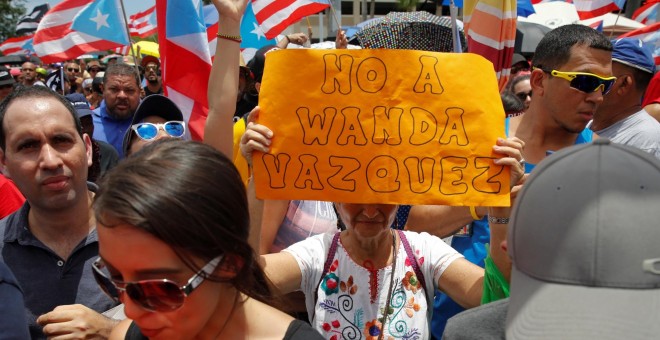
329,284
348,286
373,329
333,327
420,259
411,307
410,282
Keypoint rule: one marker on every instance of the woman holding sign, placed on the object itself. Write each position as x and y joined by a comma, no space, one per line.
370,281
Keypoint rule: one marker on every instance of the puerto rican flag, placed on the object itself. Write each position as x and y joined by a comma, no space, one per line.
275,16
17,45
251,33
647,14
650,35
587,9
185,59
75,27
597,25
143,24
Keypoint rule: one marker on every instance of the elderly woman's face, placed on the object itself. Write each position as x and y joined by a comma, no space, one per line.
367,220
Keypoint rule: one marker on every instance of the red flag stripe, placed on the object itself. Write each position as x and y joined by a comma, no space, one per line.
275,16
14,45
295,16
264,12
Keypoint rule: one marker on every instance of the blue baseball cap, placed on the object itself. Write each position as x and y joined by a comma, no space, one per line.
79,103
634,53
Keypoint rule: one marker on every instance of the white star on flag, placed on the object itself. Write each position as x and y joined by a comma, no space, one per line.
258,31
100,20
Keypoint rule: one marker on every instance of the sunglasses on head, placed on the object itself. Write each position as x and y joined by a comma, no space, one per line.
523,95
149,131
585,82
160,295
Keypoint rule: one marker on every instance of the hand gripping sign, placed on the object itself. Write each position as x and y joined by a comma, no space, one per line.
381,126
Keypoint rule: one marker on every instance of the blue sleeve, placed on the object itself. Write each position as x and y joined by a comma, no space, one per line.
13,322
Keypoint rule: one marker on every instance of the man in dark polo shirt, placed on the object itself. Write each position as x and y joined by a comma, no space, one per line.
50,242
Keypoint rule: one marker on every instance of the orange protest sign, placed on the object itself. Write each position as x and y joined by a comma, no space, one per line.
381,126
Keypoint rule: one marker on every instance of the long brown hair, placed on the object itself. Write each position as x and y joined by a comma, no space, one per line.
191,197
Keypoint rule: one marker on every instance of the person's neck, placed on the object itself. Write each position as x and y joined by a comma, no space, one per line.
376,250
540,135
227,318
154,87
62,230
604,119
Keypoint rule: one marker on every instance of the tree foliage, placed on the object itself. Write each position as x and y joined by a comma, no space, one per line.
10,11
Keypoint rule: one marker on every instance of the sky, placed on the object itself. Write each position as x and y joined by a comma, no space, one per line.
131,6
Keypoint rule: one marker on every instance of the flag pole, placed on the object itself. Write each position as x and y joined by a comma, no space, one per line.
456,38
130,41
62,78
334,15
615,21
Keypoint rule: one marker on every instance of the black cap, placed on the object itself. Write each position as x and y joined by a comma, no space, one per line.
152,105
5,76
256,64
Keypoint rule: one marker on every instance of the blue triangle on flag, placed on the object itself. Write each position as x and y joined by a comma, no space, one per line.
102,19
193,14
251,33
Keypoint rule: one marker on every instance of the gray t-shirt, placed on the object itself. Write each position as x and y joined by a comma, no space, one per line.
640,130
486,322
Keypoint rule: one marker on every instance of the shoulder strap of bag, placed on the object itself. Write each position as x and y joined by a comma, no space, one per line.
326,267
412,258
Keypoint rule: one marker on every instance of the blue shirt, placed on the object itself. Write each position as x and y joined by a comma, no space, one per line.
12,316
109,129
48,280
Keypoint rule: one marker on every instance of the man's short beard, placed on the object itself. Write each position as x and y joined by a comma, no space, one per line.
153,82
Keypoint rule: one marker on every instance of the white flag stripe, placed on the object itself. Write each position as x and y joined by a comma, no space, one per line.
60,18
70,40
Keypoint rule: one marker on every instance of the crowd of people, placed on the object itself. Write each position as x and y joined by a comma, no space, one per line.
115,225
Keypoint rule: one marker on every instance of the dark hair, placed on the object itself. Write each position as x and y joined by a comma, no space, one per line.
513,106
33,92
554,50
191,197
121,70
515,80
642,79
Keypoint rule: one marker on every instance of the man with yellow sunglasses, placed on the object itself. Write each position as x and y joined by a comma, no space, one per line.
621,118
572,70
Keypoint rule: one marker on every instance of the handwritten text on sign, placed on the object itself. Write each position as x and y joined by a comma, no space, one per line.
381,126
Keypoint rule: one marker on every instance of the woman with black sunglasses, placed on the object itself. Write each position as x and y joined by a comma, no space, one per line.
173,227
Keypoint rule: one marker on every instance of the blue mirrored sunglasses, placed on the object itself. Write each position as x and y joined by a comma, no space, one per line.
149,131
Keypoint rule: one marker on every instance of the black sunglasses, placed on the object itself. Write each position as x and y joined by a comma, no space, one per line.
523,95
153,295
73,69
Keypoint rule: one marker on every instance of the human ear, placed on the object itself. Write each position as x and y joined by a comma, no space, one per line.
4,169
88,148
230,266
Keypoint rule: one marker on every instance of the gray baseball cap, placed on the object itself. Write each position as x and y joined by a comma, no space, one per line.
584,242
